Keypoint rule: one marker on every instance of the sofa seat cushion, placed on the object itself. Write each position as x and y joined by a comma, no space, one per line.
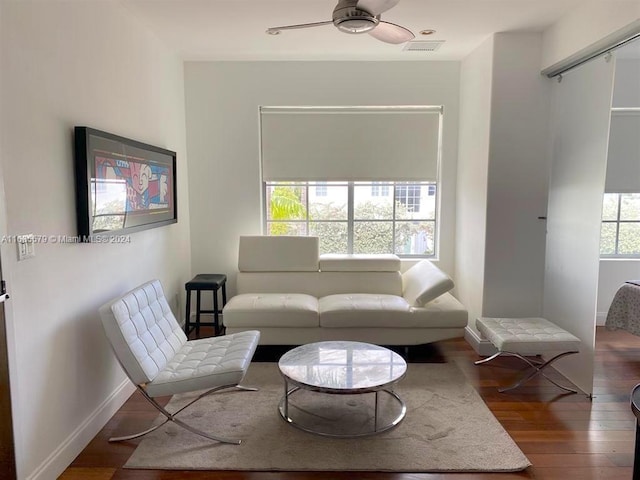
443,312
271,310
359,263
362,310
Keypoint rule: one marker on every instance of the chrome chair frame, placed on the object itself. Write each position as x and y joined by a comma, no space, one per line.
171,417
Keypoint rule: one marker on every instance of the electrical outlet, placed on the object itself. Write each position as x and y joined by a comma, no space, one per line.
26,246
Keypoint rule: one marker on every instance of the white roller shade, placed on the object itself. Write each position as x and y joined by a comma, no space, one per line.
350,143
623,159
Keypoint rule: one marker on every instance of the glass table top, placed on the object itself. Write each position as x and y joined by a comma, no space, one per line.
342,367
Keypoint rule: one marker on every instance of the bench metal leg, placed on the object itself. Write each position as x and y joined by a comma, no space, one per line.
538,367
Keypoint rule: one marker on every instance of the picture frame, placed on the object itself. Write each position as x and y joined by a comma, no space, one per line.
122,185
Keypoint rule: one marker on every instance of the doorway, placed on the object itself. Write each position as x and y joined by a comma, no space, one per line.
7,445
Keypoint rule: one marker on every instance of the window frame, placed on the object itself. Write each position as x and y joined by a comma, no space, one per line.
350,218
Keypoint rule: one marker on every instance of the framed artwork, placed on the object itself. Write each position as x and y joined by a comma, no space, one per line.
122,185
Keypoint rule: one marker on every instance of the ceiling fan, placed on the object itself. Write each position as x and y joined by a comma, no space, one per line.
360,16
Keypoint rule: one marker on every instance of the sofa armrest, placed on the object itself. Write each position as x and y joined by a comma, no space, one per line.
424,282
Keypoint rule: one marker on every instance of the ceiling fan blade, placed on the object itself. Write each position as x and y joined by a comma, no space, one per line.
276,30
376,7
391,33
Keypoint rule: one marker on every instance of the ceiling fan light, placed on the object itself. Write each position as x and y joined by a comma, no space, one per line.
356,24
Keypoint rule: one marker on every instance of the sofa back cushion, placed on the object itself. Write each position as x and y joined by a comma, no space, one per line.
424,282
320,284
277,282
387,283
359,263
263,253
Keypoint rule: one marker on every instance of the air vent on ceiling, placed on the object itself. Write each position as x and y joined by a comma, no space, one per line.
423,46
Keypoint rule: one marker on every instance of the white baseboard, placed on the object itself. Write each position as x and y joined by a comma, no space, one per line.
601,317
68,450
482,347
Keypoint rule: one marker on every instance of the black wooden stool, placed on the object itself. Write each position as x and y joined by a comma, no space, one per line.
207,282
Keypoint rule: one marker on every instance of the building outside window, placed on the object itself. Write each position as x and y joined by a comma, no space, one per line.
408,194
620,233
378,189
353,217
321,189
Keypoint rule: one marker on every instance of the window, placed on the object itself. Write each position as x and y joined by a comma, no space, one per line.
379,190
313,162
620,233
356,217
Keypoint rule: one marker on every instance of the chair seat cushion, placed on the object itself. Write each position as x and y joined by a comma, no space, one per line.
206,281
527,336
271,310
206,363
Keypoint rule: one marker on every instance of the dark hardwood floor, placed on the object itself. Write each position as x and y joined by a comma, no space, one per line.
565,437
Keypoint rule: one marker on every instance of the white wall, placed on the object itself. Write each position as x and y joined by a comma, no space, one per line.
517,179
223,143
473,167
66,63
586,25
503,170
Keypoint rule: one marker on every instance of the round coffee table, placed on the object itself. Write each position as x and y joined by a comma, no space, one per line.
342,368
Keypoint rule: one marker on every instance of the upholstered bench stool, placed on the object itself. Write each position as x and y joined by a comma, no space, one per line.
522,337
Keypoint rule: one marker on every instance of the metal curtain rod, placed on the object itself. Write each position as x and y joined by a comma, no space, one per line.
615,40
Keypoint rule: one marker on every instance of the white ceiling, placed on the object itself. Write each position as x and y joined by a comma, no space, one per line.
235,29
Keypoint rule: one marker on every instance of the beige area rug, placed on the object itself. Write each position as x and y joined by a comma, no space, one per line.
447,428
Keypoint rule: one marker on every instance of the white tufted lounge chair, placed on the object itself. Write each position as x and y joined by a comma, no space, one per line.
156,355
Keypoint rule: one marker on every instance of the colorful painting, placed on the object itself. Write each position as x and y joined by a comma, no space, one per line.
146,184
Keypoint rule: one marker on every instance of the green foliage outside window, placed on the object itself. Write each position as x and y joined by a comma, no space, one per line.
285,203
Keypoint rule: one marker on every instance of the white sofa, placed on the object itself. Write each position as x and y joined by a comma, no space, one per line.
292,295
